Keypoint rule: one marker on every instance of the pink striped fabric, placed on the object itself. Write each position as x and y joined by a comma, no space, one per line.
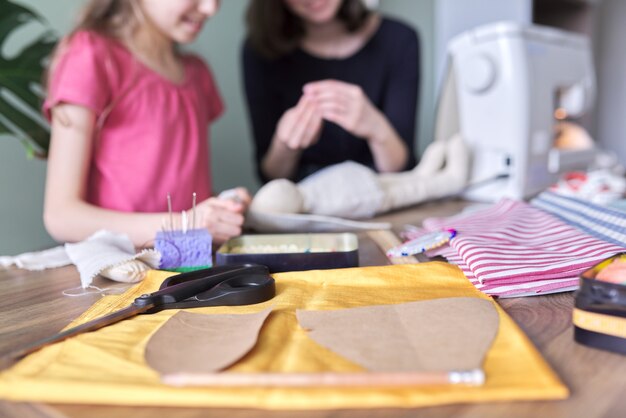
514,249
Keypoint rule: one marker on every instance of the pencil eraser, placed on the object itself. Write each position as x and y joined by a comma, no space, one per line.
180,249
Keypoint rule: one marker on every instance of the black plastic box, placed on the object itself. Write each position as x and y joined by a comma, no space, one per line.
600,310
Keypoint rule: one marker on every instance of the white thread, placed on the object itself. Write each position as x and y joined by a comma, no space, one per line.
115,290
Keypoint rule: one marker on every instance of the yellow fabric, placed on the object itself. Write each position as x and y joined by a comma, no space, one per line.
107,366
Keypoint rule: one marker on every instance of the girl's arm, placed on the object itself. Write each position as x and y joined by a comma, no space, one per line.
67,215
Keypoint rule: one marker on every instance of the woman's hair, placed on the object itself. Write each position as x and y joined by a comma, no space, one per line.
274,30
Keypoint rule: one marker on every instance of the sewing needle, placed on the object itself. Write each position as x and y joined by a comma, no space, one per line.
169,210
193,211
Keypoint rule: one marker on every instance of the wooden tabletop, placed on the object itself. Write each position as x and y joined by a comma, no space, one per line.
33,306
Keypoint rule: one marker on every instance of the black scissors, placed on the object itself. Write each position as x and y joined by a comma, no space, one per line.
230,285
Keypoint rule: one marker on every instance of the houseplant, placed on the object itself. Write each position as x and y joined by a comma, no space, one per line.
21,91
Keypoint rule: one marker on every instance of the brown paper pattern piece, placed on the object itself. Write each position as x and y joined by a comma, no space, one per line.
434,335
200,343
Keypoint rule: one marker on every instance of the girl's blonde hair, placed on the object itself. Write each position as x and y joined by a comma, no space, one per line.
112,18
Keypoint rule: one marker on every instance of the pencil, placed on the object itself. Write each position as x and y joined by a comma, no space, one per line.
467,377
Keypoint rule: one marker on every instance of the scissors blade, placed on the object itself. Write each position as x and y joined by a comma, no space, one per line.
8,359
92,325
192,283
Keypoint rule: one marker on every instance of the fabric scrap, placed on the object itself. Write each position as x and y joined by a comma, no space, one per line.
38,260
515,249
434,335
200,343
106,249
602,222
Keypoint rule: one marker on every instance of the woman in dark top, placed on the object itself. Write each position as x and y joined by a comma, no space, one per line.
329,81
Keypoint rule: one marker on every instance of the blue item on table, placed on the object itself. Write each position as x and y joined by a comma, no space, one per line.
184,251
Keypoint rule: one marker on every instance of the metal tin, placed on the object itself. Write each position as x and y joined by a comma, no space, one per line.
292,252
600,310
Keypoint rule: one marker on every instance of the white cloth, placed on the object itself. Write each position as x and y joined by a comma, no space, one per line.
104,250
41,260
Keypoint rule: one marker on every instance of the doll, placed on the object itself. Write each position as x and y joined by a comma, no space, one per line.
354,191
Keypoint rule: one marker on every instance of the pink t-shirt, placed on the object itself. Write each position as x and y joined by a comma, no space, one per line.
153,138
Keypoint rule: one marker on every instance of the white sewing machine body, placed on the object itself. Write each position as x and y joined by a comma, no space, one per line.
509,86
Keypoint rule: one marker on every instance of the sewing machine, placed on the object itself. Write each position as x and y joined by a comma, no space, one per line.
512,92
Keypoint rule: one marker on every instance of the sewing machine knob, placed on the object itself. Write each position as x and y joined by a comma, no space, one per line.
479,73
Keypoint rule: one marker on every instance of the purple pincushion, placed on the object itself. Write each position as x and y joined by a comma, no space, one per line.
184,249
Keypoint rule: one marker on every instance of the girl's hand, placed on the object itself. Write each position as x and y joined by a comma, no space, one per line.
346,105
238,195
300,126
222,217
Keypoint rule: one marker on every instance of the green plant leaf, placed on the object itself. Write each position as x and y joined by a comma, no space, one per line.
4,129
20,79
12,17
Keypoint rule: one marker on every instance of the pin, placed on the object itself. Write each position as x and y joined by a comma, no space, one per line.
184,221
193,211
169,210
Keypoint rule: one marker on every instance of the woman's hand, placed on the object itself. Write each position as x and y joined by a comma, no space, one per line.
297,129
349,107
346,105
300,126
222,217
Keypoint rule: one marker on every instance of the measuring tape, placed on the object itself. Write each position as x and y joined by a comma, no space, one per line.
600,323
386,240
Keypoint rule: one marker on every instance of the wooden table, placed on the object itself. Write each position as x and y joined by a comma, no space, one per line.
32,306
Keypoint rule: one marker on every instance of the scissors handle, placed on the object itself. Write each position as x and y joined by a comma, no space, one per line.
245,289
225,285
218,271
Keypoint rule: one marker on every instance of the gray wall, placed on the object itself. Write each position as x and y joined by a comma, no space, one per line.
21,199
22,180
611,59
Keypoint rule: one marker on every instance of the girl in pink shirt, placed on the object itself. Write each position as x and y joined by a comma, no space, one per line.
130,117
